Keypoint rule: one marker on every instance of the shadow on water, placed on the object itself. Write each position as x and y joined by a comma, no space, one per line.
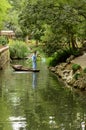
38,101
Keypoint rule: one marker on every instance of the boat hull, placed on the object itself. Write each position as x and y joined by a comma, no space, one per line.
21,68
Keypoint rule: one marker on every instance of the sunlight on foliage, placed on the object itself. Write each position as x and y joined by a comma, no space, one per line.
18,49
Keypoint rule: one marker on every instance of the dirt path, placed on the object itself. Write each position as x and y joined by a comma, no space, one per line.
81,60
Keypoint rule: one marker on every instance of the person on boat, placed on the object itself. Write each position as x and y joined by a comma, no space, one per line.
34,58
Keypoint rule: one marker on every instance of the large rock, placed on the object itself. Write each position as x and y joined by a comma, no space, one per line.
74,79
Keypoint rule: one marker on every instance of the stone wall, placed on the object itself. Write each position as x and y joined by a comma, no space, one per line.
4,56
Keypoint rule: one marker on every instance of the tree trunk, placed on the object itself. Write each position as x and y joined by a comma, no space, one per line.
36,42
73,42
26,39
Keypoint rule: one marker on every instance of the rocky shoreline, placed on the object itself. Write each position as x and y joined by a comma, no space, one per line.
73,78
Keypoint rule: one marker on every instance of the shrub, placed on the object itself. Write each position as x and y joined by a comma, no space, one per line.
18,49
50,61
76,52
59,56
75,67
77,75
84,70
3,40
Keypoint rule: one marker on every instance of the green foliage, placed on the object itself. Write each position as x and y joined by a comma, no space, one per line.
75,67
59,56
4,6
48,34
76,52
84,70
77,75
18,49
3,40
50,48
54,22
50,61
11,22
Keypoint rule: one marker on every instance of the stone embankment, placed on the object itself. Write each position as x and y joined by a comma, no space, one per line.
4,56
75,79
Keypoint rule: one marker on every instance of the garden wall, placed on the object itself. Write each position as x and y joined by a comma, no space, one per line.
4,56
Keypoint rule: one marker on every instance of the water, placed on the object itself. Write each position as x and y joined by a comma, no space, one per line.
38,101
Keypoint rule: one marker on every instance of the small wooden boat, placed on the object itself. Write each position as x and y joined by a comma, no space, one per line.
22,68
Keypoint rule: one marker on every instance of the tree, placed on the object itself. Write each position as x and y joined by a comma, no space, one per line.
4,6
65,19
12,20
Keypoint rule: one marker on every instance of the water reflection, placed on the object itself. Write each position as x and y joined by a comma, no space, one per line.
18,123
34,81
52,122
50,107
83,125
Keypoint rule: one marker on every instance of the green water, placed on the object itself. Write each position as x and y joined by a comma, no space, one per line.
38,101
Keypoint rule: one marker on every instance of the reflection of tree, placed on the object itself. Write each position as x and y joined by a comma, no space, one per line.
62,104
50,99
35,114
0,86
4,115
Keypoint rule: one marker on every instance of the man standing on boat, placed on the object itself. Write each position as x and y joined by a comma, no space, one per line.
34,58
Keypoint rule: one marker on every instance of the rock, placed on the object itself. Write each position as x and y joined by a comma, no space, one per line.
53,69
80,83
69,59
65,72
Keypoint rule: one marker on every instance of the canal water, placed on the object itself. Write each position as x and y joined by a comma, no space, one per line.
39,101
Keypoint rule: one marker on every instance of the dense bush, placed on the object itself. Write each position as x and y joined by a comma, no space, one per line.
3,40
18,49
58,57
76,52
84,70
75,67
62,55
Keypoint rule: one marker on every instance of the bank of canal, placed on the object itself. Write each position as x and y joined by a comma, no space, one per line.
38,101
